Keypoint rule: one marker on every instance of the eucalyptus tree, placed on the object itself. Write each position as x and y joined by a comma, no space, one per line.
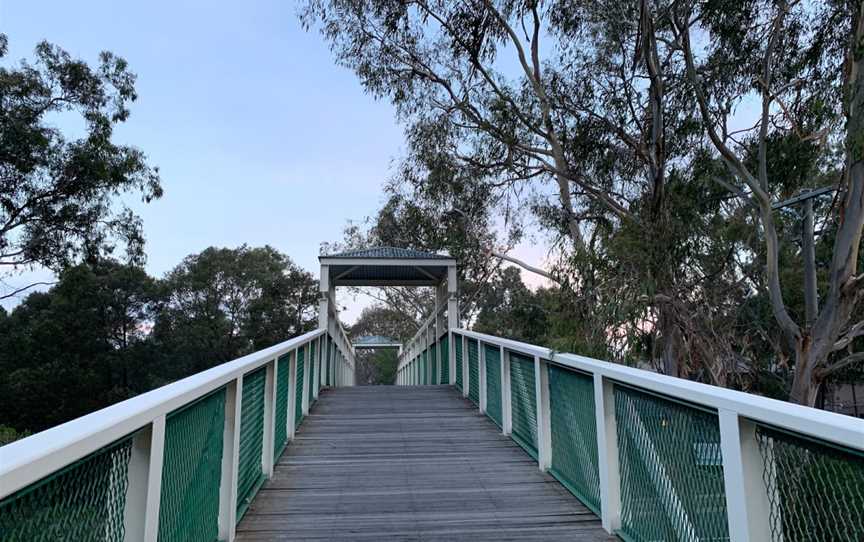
58,196
801,62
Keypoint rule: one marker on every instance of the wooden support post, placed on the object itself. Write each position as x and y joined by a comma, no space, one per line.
607,449
230,461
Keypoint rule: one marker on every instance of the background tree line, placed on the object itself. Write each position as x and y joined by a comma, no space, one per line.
654,143
108,331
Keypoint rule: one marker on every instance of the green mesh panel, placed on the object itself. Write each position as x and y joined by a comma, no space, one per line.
312,373
816,489
424,368
280,418
458,340
473,372
445,360
249,474
192,470
298,388
493,383
574,434
523,402
671,469
84,501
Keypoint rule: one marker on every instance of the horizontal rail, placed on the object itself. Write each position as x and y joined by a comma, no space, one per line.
821,424
659,457
28,460
221,430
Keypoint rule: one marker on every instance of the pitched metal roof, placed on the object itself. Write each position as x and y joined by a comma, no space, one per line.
370,340
389,253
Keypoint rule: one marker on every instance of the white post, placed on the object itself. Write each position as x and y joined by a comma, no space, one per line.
292,393
465,372
544,417
747,504
230,460
317,383
481,372
141,514
307,362
269,419
607,447
506,404
451,356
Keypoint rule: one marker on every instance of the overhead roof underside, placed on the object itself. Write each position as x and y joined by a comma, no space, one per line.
387,266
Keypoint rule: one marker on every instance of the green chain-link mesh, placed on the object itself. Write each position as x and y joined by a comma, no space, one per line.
671,469
84,501
523,402
424,368
493,383
473,372
298,388
280,418
192,470
458,346
249,473
816,490
445,360
312,373
574,434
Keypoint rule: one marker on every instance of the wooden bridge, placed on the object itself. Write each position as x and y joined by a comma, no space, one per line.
410,463
481,438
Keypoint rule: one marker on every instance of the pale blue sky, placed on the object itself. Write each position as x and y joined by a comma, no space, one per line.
260,137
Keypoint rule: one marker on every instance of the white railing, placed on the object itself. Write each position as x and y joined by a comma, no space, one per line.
34,458
748,510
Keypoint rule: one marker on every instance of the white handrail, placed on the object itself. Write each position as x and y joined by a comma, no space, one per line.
821,424
748,501
30,459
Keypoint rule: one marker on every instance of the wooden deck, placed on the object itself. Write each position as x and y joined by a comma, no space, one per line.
410,463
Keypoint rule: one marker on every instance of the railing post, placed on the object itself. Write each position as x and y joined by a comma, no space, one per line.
481,374
451,357
319,351
506,405
141,514
269,419
747,504
307,363
466,385
607,448
544,427
292,393
230,460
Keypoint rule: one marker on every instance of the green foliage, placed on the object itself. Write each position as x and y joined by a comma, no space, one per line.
58,196
108,331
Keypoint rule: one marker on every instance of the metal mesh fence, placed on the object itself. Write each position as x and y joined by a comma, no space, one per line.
493,383
671,469
249,472
280,418
458,346
424,373
298,387
192,470
84,501
574,434
433,356
816,490
445,359
473,372
523,402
